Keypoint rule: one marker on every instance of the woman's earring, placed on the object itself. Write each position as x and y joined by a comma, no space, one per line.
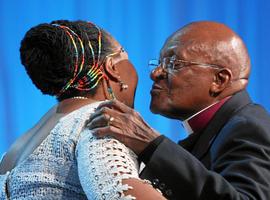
123,85
109,88
111,93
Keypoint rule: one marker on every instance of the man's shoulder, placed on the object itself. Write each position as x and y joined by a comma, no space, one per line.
251,124
251,114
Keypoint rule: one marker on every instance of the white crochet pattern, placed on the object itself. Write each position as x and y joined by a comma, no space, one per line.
3,189
108,163
72,164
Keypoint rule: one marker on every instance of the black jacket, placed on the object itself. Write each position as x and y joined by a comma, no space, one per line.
229,159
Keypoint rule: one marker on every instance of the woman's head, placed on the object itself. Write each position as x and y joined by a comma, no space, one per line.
66,59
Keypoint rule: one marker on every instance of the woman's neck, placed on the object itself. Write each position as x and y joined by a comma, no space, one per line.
68,105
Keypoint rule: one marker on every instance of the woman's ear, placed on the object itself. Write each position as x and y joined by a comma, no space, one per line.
111,69
221,80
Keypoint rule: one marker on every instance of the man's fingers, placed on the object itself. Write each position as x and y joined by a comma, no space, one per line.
100,132
98,121
99,112
104,111
106,131
116,105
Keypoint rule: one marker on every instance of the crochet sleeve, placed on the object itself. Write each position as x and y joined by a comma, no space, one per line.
102,165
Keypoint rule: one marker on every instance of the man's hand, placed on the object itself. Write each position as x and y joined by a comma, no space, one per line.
113,118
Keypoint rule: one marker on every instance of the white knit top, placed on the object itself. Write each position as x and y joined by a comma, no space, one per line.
72,164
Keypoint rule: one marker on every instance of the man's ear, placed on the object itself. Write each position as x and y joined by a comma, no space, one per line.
221,80
111,69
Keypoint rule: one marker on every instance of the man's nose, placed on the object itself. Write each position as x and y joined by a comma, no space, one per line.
158,73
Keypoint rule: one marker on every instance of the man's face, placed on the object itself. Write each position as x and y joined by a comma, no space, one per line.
182,92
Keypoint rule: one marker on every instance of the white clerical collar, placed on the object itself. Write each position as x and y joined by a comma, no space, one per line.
187,126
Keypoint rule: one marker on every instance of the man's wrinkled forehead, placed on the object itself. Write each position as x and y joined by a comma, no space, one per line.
168,51
175,41
170,47
183,42
174,45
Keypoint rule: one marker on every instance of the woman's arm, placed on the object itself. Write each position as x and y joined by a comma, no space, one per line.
109,170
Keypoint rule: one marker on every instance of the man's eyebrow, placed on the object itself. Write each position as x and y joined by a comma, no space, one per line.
169,51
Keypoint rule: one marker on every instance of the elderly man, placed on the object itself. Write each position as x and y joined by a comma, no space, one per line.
200,80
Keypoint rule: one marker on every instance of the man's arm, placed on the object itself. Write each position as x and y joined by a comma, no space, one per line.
240,163
240,167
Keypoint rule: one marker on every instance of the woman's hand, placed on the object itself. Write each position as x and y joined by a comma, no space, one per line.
113,118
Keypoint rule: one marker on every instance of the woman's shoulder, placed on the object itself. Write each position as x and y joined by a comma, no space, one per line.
71,125
81,113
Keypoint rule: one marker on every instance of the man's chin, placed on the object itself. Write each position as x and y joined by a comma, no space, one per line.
161,109
153,110
156,107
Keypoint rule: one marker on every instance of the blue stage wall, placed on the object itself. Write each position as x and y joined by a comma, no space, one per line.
141,26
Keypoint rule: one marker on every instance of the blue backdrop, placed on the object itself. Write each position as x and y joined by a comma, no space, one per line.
141,26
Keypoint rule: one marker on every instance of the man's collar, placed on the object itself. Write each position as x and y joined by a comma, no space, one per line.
199,120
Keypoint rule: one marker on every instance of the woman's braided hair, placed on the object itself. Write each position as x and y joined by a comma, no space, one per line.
63,58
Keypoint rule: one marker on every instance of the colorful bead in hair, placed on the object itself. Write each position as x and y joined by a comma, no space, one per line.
77,71
94,75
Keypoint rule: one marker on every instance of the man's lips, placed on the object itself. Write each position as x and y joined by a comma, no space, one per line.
156,88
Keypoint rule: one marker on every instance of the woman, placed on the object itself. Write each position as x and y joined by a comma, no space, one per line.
82,66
